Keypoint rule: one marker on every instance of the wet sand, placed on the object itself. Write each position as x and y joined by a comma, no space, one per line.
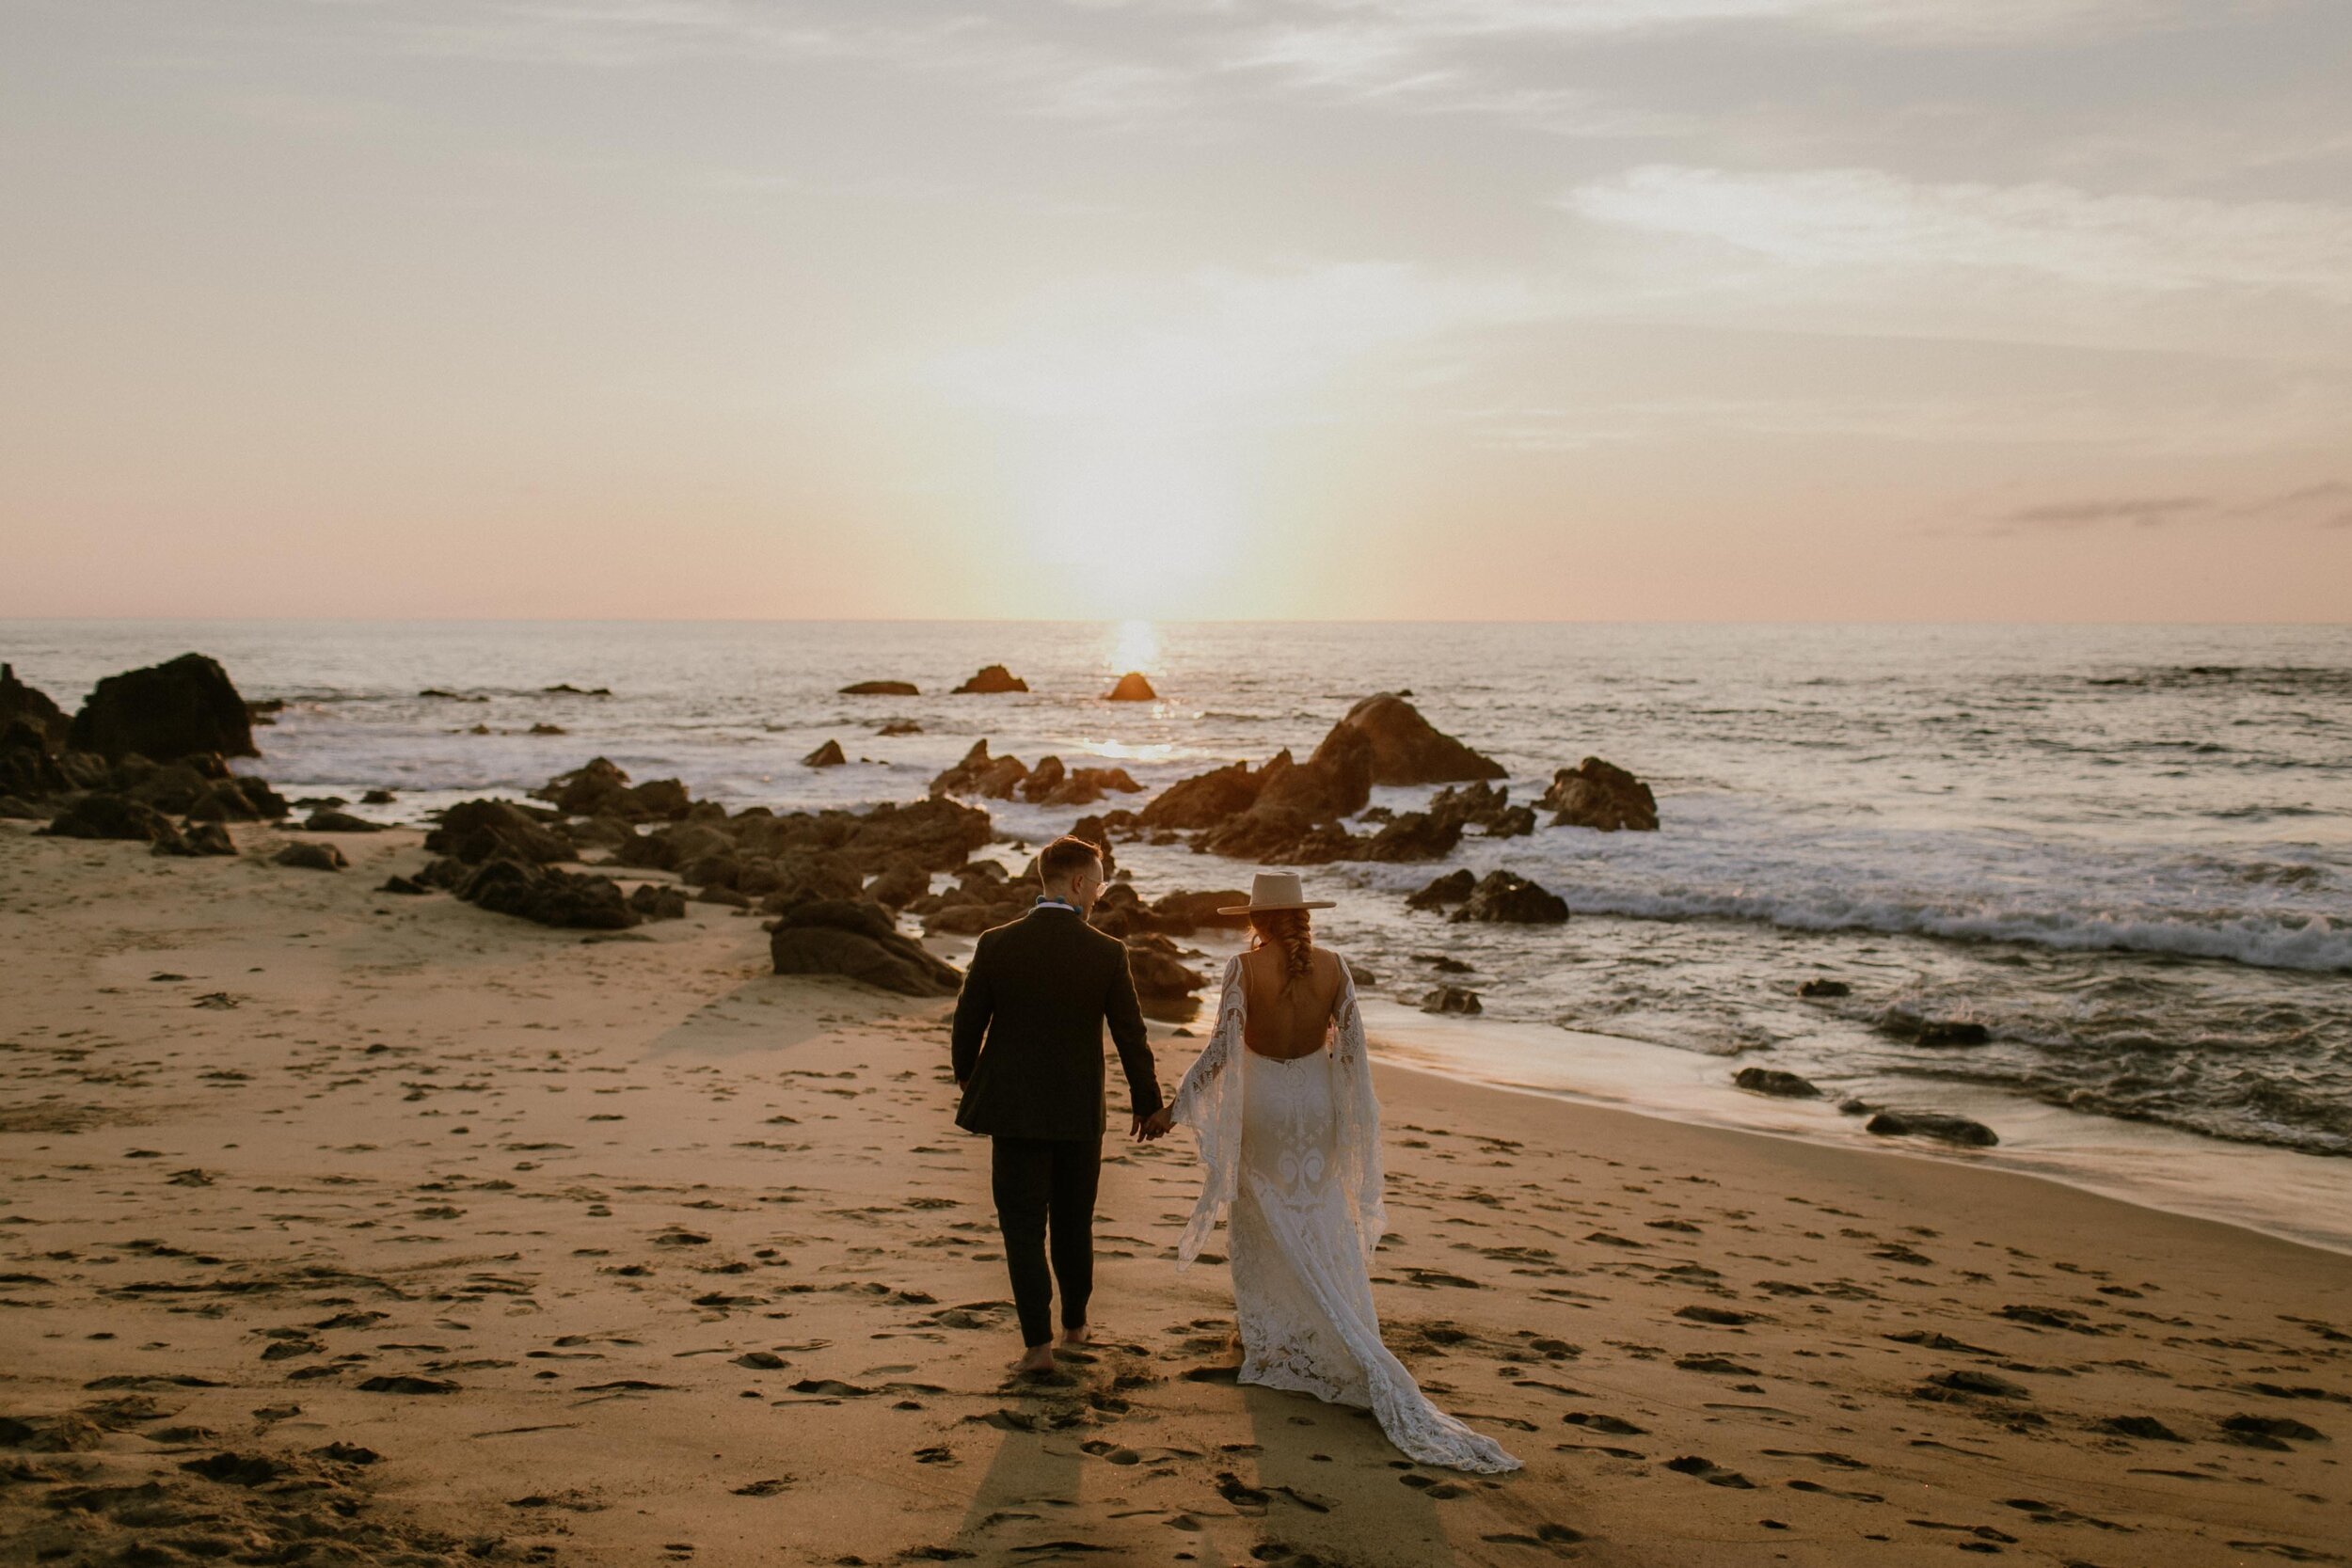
340,1226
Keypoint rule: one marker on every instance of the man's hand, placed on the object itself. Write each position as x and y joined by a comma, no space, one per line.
1147,1128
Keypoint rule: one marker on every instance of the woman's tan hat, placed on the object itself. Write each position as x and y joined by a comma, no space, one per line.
1277,890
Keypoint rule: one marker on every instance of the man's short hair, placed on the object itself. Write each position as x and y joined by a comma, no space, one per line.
1063,858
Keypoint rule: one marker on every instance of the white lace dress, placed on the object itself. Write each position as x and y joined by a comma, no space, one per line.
1291,1151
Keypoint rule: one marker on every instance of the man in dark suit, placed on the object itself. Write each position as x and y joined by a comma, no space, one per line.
1028,1057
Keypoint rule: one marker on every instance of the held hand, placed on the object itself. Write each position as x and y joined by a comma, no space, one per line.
1155,1125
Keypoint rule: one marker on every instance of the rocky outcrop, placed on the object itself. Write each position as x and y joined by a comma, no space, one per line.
1507,897
20,703
328,821
1335,782
858,940
1931,1124
982,898
881,689
1414,836
237,799
1132,688
656,901
29,767
980,774
1482,806
1597,794
899,884
1772,1080
1278,835
992,681
207,838
572,899
105,814
1454,887
1406,749
1206,800
311,857
477,831
901,726
165,711
1934,1032
1166,987
827,755
1451,999
602,789
1052,783
1823,990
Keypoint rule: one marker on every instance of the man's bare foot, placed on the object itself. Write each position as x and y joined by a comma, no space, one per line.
1037,1358
1073,1337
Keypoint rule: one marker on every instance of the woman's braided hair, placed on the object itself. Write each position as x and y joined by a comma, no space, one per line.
1293,932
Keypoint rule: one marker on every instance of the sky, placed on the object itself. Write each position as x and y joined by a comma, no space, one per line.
1526,309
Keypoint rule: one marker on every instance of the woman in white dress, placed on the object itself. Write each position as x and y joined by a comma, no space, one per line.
1281,1102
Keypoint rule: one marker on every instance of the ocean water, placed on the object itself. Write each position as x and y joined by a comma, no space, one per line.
2127,852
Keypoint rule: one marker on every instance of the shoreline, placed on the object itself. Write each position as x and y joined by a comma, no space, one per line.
469,1239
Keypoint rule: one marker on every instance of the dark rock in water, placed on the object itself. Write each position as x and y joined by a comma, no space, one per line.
1451,999
1934,1032
108,815
1855,1106
1052,785
1505,897
544,728
1414,836
443,694
978,773
991,681
264,711
378,798
330,821
1597,794
1444,964
1204,799
1826,987
552,898
1764,1080
311,857
1473,805
602,789
165,711
30,705
1280,836
1406,749
827,755
901,726
477,831
1931,1124
1165,988
208,838
1452,888
1513,822
1132,688
406,887
565,688
881,689
1335,782
656,901
860,941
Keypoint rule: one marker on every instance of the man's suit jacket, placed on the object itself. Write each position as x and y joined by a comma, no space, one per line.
1028,1033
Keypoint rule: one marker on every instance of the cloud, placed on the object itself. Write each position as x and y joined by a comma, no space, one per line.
1860,219
2319,505
2143,512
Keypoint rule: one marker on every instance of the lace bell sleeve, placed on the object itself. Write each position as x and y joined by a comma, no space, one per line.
1363,1174
1209,1103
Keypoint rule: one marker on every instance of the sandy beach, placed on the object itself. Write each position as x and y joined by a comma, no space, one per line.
344,1227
